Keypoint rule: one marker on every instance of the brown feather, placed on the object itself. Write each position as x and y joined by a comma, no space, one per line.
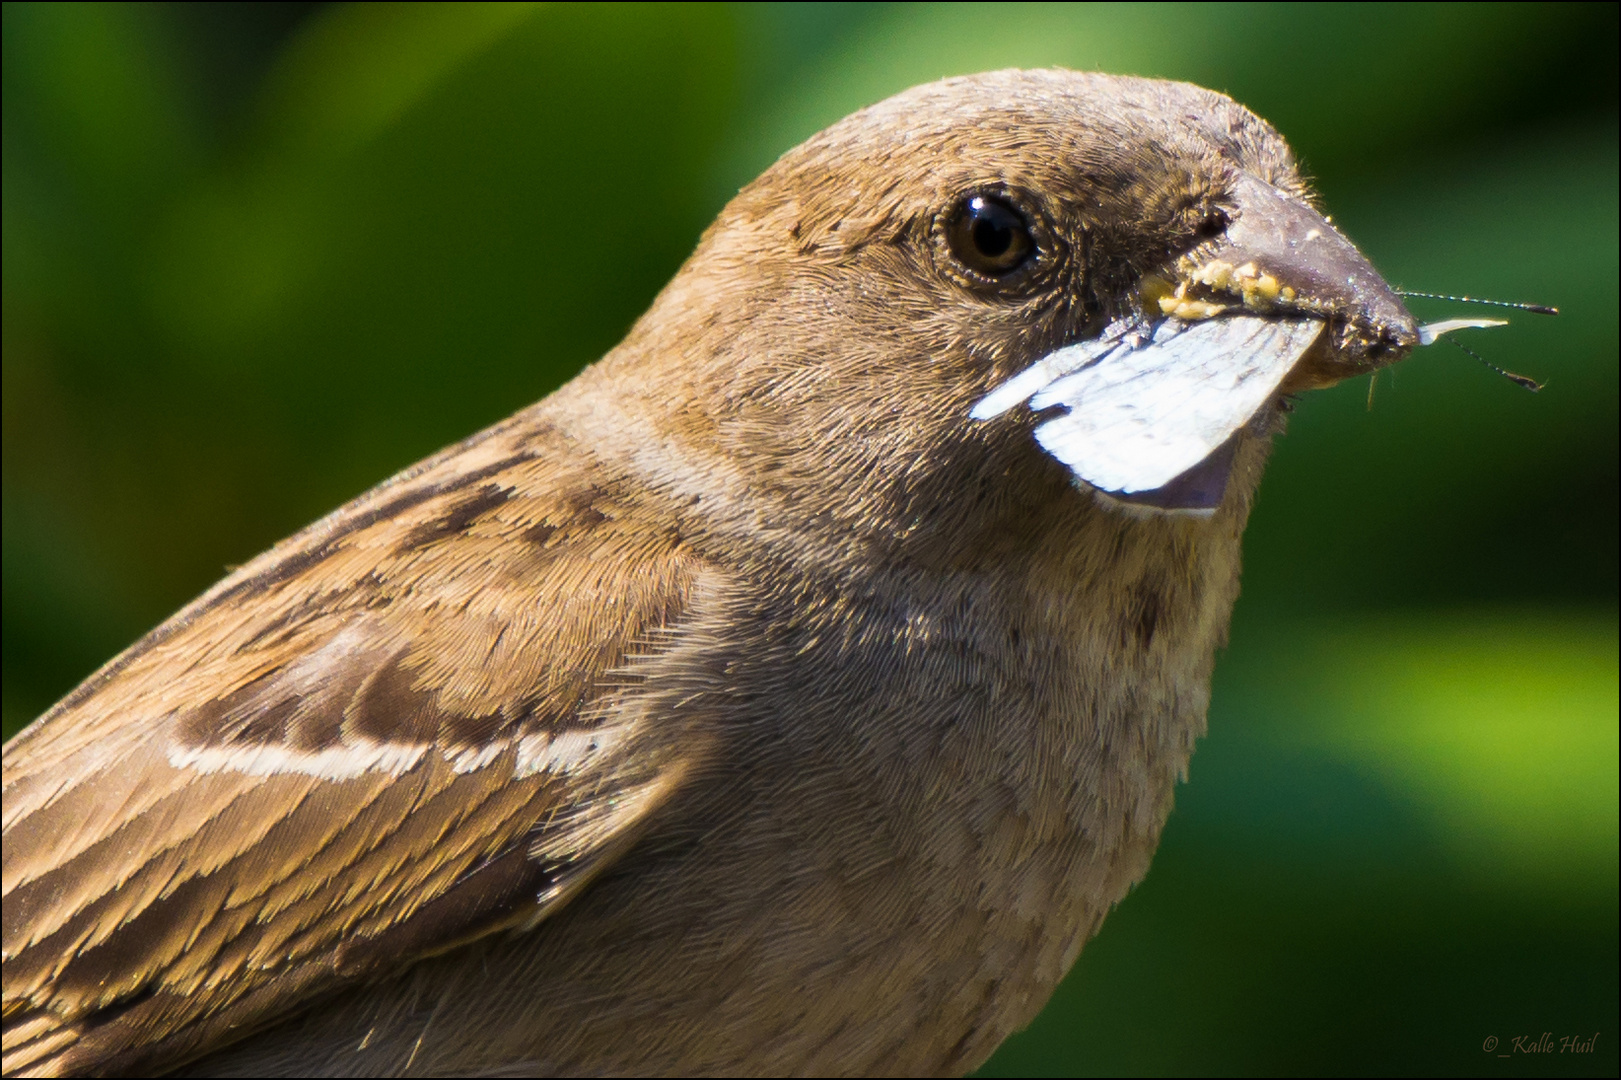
341,765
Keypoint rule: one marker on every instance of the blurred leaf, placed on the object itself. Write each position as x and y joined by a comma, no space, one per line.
357,71
1498,727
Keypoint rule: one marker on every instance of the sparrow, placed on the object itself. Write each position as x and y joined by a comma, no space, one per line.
792,692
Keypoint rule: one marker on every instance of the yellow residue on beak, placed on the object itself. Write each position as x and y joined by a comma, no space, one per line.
1256,290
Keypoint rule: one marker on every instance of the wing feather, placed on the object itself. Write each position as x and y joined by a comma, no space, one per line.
391,734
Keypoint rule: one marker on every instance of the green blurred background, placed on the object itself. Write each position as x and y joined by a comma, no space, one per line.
259,256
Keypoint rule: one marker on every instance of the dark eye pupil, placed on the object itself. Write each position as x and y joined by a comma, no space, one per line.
992,235
989,236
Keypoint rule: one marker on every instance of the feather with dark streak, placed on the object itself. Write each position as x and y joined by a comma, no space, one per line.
324,797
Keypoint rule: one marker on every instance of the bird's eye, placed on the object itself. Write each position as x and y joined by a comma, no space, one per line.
989,236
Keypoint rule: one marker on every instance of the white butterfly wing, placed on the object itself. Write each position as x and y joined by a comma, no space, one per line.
1140,415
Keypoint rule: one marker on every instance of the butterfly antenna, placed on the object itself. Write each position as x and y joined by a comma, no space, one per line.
1519,380
1536,309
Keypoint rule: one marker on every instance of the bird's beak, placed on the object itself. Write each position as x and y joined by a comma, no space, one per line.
1280,258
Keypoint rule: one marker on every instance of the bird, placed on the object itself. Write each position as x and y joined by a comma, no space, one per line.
795,691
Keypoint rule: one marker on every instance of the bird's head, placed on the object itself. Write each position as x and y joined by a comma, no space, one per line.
1130,270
